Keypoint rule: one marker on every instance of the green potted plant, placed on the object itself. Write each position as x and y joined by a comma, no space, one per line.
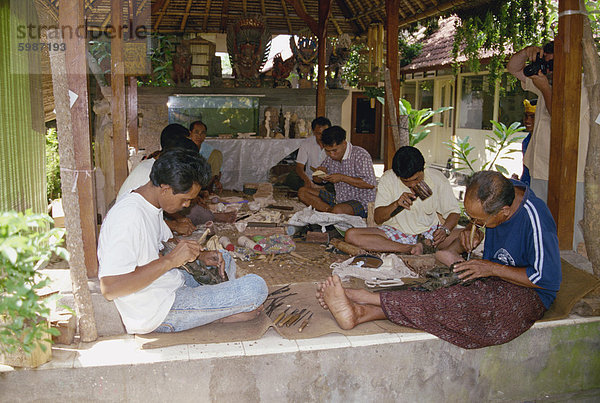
417,119
26,243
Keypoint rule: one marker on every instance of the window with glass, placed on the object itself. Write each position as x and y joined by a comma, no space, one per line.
409,91
227,114
425,94
476,103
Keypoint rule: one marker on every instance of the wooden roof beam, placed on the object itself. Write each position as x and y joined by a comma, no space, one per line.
337,26
206,12
431,11
244,7
300,12
287,17
161,14
410,7
263,9
224,12
348,16
186,15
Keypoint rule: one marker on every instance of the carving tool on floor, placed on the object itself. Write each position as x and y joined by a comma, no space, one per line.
295,318
287,318
305,323
280,316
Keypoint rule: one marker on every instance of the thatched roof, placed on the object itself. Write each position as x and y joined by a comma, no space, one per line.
347,16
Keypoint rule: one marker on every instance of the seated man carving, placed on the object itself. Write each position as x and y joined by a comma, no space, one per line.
172,136
512,286
149,292
397,189
211,154
350,169
311,153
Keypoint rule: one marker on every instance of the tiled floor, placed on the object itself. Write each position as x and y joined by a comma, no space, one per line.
123,350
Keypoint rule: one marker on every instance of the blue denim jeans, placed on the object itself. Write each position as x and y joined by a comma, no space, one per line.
196,305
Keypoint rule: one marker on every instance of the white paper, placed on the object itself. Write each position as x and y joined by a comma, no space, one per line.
72,98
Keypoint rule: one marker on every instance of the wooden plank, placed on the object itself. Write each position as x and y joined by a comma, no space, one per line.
391,8
324,11
118,109
132,113
564,143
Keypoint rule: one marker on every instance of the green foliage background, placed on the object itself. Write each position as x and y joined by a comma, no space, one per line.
52,165
25,244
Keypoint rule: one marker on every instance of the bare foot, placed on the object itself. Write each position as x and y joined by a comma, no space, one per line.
417,249
319,295
242,316
448,257
342,309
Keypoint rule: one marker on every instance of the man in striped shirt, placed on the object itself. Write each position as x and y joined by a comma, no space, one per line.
513,285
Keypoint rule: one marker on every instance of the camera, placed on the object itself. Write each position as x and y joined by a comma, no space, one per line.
539,64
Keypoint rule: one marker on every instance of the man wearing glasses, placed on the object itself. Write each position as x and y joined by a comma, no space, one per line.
514,284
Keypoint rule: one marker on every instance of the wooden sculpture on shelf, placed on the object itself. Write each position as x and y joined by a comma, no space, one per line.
337,56
281,71
182,64
305,52
248,45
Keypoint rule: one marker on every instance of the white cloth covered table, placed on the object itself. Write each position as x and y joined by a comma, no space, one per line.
249,160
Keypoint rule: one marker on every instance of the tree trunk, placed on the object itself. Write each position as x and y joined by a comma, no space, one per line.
591,211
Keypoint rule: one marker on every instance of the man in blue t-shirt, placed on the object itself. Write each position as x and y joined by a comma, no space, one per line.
521,245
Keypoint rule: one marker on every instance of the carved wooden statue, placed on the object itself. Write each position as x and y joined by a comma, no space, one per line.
337,56
182,65
306,55
248,45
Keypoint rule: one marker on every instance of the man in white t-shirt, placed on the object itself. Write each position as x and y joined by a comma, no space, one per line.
311,152
172,136
537,156
149,291
401,230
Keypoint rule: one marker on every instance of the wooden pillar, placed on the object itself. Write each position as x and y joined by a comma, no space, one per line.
324,9
71,15
566,98
118,111
69,80
391,29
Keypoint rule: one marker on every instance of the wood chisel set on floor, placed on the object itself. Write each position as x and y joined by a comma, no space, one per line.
285,319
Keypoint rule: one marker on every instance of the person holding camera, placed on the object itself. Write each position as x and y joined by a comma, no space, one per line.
533,67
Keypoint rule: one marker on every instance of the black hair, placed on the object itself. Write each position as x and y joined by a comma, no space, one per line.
407,161
493,190
197,122
333,135
170,132
180,142
320,121
549,48
180,169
